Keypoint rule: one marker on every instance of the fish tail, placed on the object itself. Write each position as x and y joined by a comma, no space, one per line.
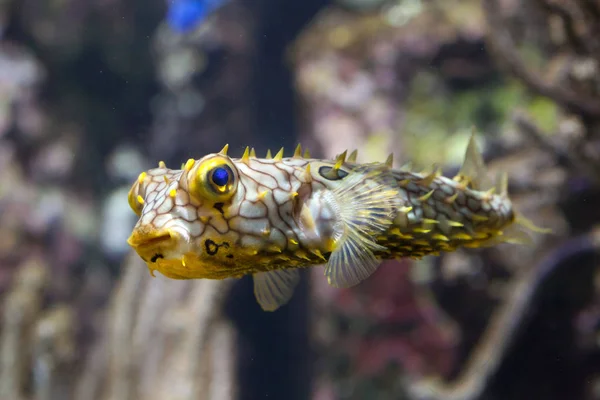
473,172
515,227
519,232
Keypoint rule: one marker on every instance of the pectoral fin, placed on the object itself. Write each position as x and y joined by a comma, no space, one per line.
366,207
353,261
275,288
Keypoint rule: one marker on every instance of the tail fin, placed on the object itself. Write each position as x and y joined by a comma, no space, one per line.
473,173
520,231
528,224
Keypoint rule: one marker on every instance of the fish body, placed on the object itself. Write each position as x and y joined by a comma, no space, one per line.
220,217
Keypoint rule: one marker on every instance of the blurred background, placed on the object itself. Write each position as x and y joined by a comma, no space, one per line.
92,92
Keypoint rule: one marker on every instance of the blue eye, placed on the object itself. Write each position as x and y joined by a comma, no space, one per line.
220,176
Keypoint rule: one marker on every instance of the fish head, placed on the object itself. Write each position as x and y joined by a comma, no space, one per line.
182,230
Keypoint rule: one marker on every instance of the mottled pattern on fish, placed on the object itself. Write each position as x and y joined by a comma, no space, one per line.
221,217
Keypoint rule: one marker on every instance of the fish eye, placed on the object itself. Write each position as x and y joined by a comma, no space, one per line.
220,176
213,179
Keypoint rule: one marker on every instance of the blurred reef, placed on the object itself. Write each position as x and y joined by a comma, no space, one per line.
94,91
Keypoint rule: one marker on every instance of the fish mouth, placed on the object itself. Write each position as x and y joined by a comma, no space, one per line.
143,243
153,241
151,246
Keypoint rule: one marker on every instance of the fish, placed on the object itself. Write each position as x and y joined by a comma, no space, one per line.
220,217
185,15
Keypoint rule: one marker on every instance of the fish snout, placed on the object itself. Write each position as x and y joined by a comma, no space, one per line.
152,245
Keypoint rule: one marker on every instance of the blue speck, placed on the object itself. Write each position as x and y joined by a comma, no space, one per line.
185,15
220,176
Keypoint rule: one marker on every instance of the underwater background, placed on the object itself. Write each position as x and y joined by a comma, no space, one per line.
92,92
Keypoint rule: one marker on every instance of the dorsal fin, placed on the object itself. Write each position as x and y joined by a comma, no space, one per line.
473,171
527,223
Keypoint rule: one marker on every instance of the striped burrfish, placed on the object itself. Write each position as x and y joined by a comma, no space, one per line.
220,217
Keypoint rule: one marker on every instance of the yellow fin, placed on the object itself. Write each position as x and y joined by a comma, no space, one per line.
517,233
527,223
275,288
364,211
512,234
473,170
